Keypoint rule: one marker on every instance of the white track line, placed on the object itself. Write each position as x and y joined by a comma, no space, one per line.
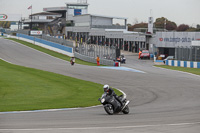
5,60
93,128
178,71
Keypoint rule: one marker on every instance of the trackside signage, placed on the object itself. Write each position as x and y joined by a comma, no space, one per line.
36,32
10,17
3,17
174,39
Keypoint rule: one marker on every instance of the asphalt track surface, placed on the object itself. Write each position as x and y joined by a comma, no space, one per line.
162,101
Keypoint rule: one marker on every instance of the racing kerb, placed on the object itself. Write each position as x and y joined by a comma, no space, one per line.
177,63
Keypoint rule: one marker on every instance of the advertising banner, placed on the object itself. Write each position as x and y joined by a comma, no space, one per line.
10,17
174,39
77,12
35,32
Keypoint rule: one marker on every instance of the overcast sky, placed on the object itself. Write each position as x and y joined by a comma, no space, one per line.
179,11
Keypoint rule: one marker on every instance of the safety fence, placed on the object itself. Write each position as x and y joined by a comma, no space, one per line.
188,53
93,60
92,51
55,39
89,52
47,44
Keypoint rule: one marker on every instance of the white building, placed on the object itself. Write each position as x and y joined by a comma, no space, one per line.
166,42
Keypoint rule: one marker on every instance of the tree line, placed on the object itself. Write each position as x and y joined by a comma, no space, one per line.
164,24
5,24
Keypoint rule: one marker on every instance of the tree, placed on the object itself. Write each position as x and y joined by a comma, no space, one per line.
140,25
117,24
164,23
191,29
182,27
160,23
171,26
129,25
5,24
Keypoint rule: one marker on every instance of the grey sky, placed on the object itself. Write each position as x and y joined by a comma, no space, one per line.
179,11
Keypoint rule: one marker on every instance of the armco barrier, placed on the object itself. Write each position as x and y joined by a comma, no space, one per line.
190,64
47,44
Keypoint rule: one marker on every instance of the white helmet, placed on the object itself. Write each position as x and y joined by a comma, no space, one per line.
106,88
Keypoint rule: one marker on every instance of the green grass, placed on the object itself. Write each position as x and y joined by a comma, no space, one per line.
23,88
184,69
52,53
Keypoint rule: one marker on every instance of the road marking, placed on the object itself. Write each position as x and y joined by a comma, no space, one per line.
5,60
92,128
123,69
178,71
47,110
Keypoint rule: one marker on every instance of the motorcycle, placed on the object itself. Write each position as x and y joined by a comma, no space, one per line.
123,60
112,106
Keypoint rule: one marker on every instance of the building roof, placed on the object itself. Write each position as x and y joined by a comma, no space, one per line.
51,9
45,13
78,4
95,15
108,16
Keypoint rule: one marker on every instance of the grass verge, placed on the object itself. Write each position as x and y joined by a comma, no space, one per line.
183,69
52,53
23,88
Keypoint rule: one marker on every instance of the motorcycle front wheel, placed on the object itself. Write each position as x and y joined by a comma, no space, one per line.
109,109
126,110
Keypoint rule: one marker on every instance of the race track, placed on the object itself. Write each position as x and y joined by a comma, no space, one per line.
162,101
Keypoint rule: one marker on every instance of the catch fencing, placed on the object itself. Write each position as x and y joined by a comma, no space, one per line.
57,40
86,52
188,53
92,51
50,38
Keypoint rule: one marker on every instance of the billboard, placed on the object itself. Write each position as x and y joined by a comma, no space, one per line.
174,39
77,12
10,17
35,32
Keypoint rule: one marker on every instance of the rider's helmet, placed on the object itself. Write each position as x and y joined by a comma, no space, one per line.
106,88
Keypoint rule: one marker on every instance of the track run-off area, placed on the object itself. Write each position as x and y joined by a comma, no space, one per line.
162,101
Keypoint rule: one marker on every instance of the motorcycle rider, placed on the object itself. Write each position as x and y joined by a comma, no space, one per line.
111,92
